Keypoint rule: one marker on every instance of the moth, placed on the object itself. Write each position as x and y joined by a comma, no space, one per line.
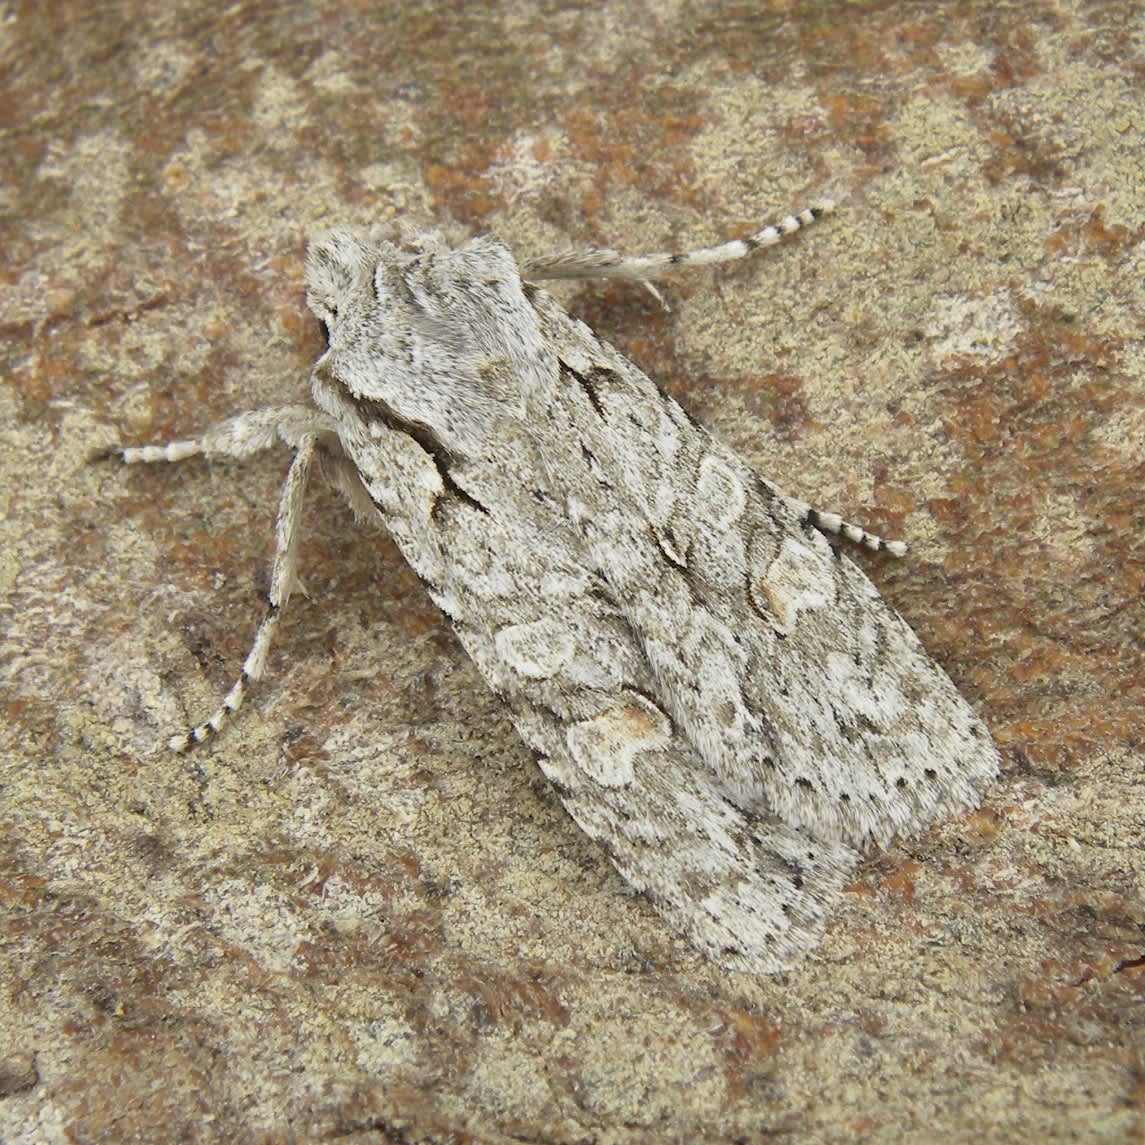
719,697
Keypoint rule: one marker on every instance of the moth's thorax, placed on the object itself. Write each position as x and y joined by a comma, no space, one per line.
437,337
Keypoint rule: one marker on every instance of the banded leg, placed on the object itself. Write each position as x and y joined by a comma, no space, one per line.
832,525
287,530
644,268
240,436
310,432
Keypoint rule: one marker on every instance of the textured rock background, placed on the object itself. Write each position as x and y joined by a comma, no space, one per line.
362,914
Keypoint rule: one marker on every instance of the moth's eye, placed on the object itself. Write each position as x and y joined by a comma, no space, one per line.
325,305
324,308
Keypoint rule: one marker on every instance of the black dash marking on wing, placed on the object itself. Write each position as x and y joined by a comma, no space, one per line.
374,409
765,494
590,383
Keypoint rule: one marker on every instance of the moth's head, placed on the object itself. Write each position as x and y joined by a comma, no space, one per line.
337,265
442,336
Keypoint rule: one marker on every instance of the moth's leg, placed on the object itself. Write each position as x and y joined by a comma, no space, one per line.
341,473
240,436
287,530
308,431
643,268
832,525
